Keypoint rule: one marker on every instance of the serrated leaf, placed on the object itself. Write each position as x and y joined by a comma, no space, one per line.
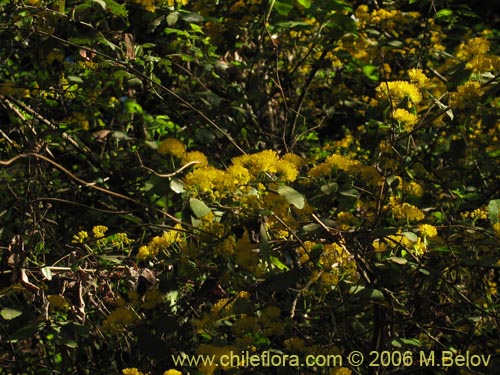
292,196
47,273
199,207
9,313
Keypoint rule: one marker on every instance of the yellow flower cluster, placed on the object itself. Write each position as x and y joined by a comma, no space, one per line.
496,229
172,372
335,261
160,243
478,213
340,162
428,231
99,231
390,19
406,118
467,95
172,146
473,47
417,246
172,3
418,78
268,161
219,183
118,320
80,237
195,156
403,210
397,91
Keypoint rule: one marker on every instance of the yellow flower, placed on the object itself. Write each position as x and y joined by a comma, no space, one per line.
294,159
419,247
132,371
414,189
496,229
379,246
119,319
396,91
403,210
195,156
81,237
340,371
427,230
99,231
467,95
172,372
405,117
418,77
172,146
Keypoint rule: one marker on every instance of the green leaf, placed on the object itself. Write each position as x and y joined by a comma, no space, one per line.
132,107
399,342
27,331
199,207
493,211
116,8
9,313
330,188
283,8
176,185
444,13
411,236
371,71
47,273
102,3
367,293
75,79
292,196
172,18
398,260
279,264
305,3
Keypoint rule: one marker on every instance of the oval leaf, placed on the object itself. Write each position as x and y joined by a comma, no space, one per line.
10,313
292,196
199,208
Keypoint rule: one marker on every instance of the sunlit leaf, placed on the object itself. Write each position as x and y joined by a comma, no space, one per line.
9,313
292,196
199,207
